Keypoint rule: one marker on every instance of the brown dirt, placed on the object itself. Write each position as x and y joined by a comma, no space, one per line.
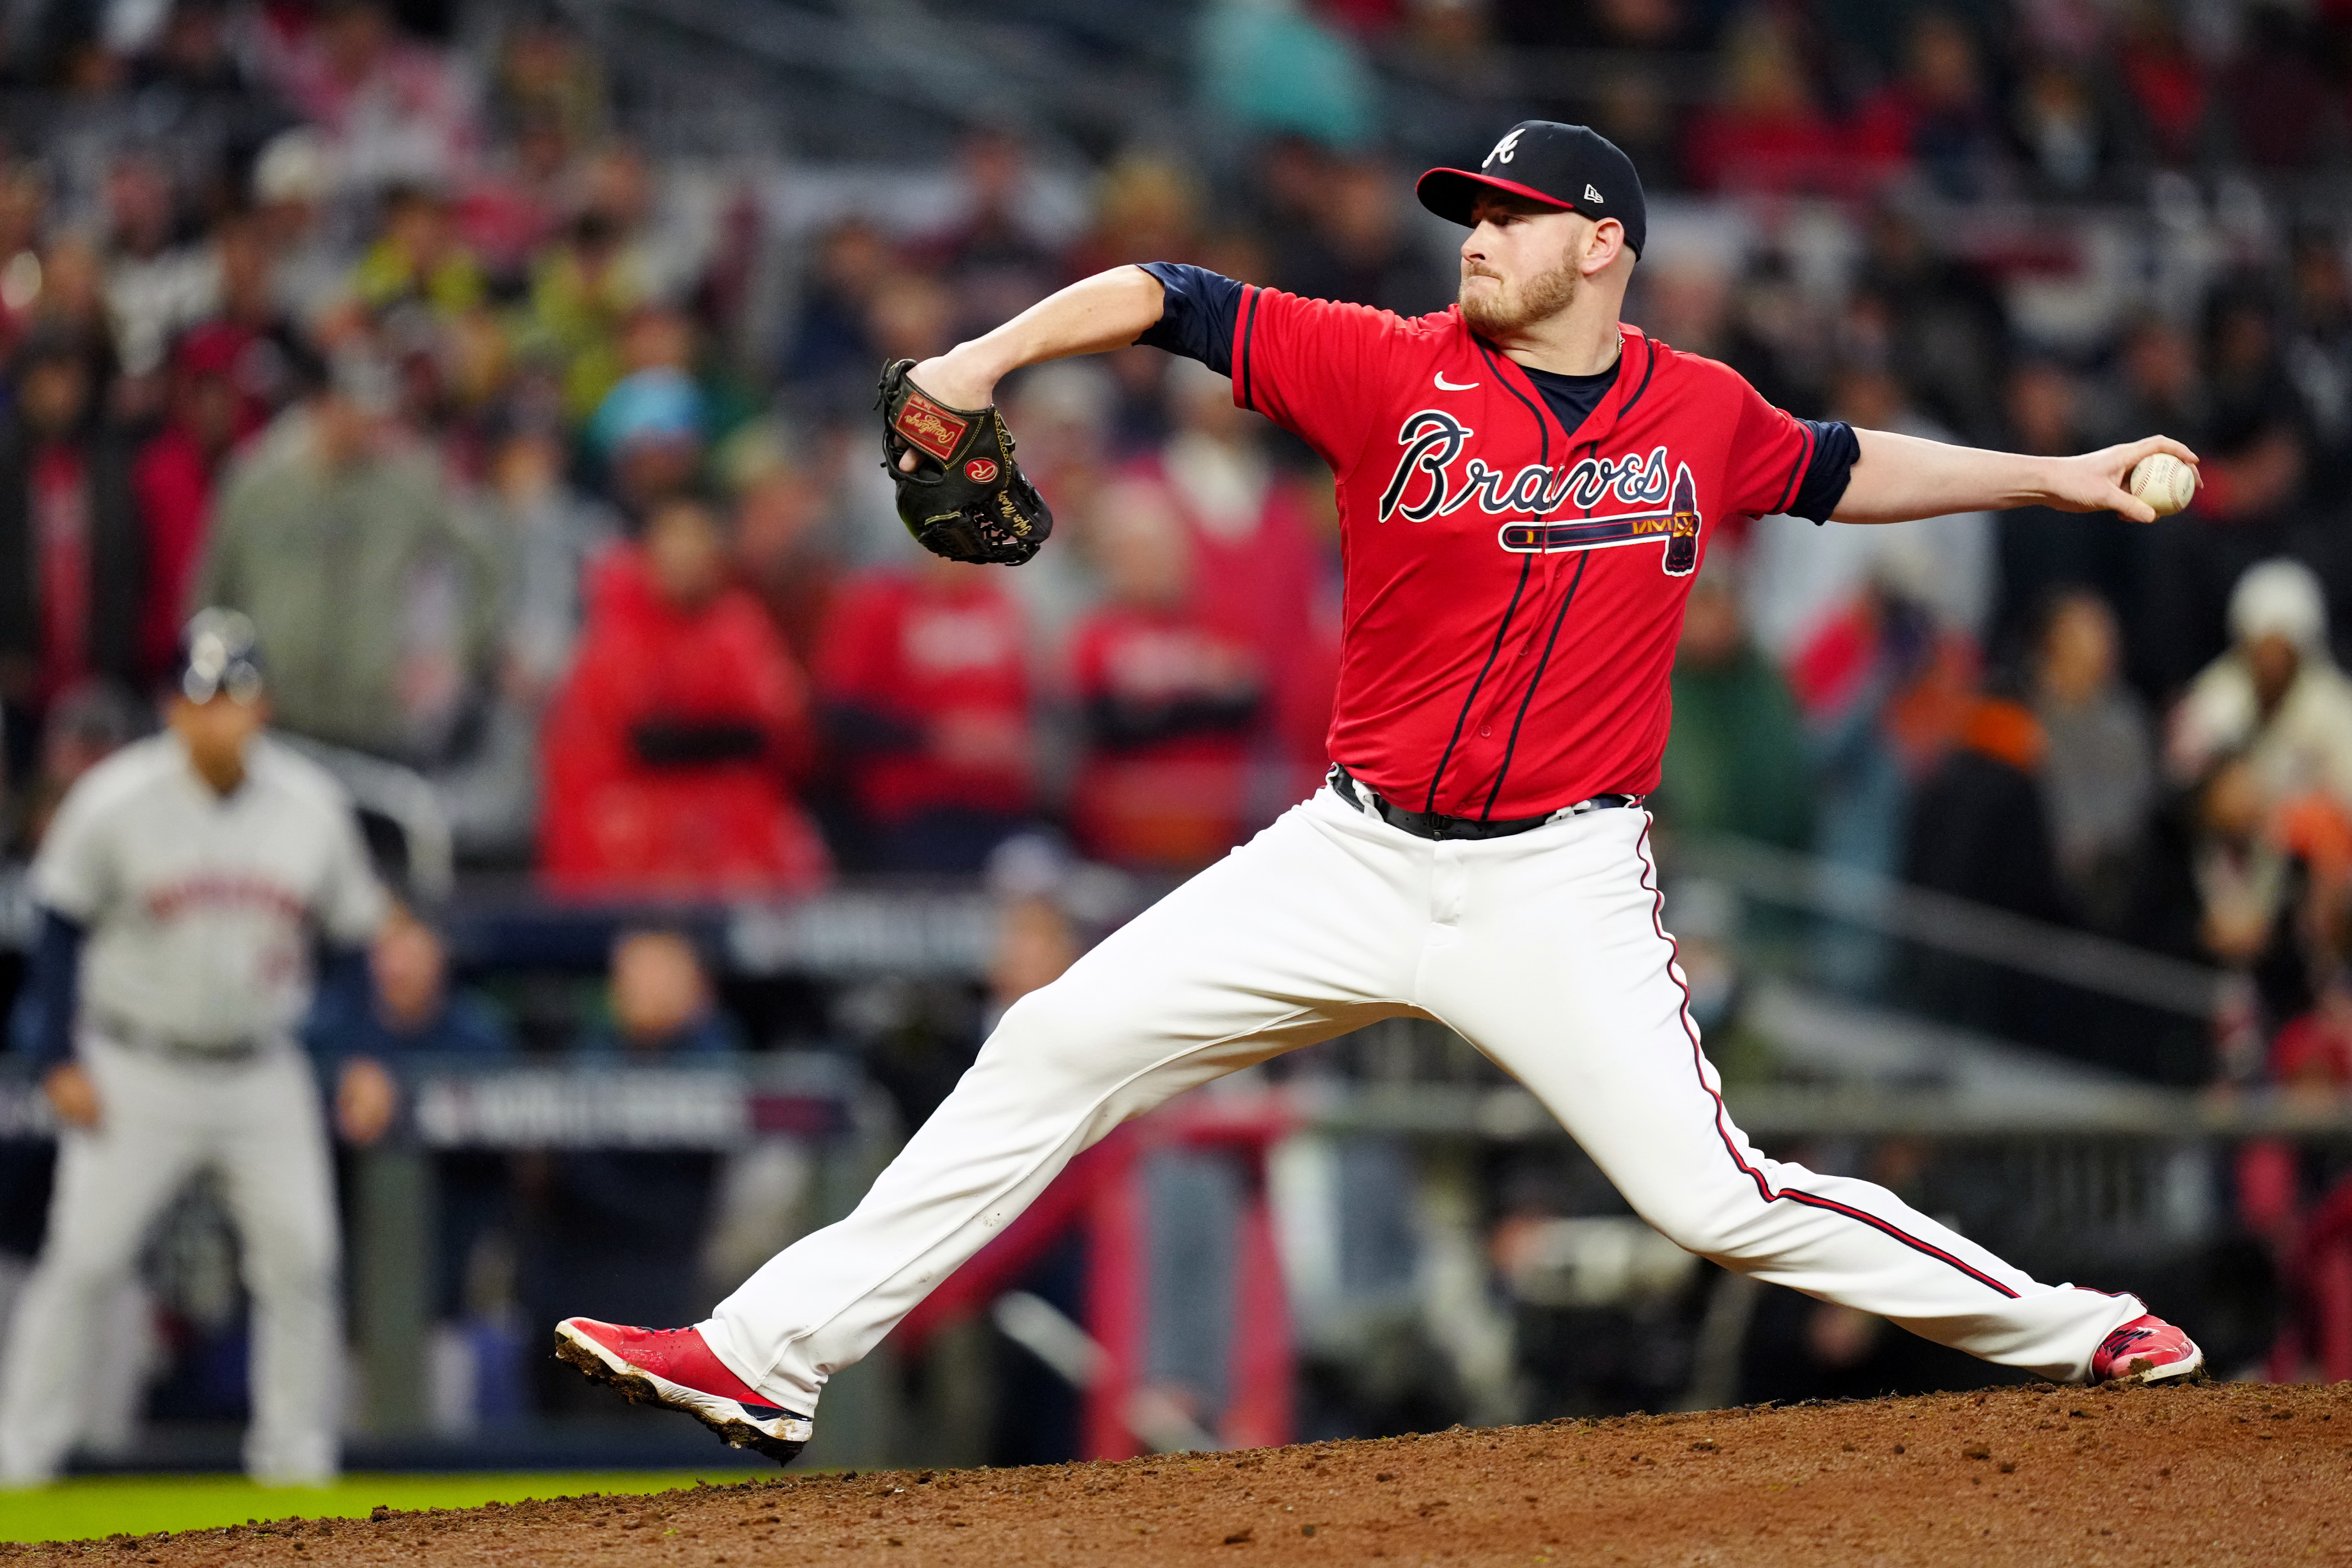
2206,1474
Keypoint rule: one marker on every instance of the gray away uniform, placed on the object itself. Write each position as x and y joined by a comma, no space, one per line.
199,910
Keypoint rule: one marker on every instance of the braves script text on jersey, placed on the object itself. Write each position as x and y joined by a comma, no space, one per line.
1515,588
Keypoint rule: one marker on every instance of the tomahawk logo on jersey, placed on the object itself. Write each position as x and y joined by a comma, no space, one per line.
1559,558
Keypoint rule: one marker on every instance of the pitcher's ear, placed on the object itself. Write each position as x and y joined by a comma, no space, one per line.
1607,244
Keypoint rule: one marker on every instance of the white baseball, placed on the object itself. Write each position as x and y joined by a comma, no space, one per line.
2164,481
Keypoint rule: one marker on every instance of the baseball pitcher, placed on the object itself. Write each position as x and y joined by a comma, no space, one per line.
1526,487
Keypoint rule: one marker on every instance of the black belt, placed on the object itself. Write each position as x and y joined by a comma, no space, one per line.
1437,825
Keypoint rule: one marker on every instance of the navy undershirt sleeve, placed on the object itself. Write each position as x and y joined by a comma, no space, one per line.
1197,315
345,995
1835,450
56,988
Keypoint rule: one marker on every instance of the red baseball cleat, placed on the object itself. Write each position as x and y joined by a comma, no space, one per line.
674,1367
2146,1349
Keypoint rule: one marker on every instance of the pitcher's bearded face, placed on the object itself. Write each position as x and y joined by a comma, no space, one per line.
1518,266
1495,306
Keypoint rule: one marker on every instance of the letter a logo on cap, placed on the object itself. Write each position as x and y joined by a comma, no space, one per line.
1592,195
1506,148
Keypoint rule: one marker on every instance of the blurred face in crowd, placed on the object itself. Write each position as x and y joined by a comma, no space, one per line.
773,518
245,265
911,317
542,149
619,188
1202,401
2161,364
417,227
216,733
23,199
410,969
208,407
1034,944
1359,212
1144,553
657,986
1146,208
2042,408
53,393
993,165
687,553
73,283
1292,172
476,358
356,34
652,467
659,340
1867,396
2242,344
343,427
1944,62
1712,633
138,205
1688,302
1519,265
2273,661
1763,78
1641,24
194,41
2321,291
2078,650
526,468
853,260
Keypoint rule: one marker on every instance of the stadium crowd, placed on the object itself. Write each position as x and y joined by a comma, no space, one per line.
545,467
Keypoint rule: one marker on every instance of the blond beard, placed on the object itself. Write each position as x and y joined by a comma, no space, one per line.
1495,316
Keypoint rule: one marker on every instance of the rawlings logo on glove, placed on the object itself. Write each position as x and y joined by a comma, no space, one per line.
965,499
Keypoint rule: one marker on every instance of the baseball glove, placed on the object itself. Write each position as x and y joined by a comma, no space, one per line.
966,498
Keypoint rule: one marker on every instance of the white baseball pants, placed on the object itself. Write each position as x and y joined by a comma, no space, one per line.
260,1124
1544,950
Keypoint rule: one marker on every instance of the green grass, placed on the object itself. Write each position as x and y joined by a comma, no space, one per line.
136,1505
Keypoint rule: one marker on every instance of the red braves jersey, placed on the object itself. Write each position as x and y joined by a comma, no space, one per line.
1514,589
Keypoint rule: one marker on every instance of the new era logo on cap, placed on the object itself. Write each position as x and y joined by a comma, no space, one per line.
1559,165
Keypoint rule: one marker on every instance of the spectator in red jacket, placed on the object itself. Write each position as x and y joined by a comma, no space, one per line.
670,750
171,479
925,678
1250,534
1766,129
1173,700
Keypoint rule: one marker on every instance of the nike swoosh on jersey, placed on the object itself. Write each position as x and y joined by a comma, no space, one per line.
1445,385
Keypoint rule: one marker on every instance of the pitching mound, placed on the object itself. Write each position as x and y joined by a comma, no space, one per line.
2216,1473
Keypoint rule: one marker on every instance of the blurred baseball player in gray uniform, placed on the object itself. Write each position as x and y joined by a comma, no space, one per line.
183,887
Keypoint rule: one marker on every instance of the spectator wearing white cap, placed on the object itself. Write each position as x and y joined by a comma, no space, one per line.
2276,697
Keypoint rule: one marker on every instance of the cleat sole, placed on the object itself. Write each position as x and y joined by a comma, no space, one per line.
593,1361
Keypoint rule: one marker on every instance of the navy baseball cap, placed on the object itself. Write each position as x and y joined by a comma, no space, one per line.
1573,167
219,651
